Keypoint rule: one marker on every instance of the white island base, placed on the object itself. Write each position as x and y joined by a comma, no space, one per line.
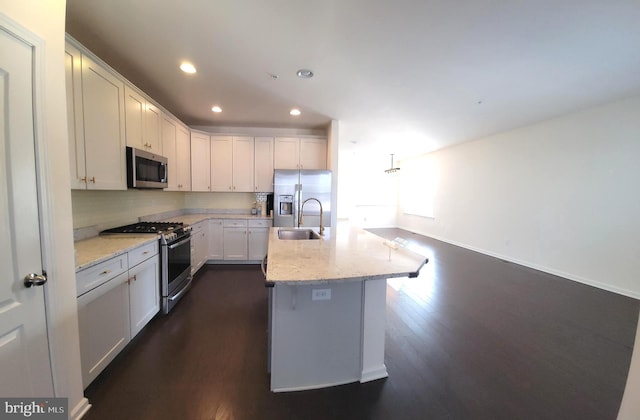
326,334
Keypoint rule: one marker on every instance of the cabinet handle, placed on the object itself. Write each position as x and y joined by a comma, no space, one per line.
93,179
145,252
135,277
105,272
83,179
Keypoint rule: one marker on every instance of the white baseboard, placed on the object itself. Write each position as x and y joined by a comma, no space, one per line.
80,409
569,276
374,374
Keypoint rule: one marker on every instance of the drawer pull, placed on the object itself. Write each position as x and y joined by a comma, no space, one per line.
145,252
105,272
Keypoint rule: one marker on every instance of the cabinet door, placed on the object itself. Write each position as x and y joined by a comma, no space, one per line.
258,243
263,158
103,325
313,154
235,243
183,161
75,126
103,111
169,147
200,163
134,104
152,128
216,240
221,163
144,293
243,164
286,153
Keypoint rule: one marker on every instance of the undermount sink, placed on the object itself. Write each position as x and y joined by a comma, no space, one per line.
297,234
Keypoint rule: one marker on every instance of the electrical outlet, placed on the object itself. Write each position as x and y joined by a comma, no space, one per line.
320,294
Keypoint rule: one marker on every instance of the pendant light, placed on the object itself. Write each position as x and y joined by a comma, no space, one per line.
392,170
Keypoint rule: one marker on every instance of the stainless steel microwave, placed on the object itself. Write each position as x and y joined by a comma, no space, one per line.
146,169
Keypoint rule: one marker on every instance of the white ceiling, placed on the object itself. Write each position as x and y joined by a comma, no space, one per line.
403,76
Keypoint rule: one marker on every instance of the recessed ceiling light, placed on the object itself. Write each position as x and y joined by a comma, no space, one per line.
216,109
304,74
187,67
295,111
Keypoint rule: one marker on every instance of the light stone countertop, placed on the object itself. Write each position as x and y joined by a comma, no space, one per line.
97,249
92,251
192,219
345,253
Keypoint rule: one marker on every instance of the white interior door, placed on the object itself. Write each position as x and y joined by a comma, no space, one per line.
24,356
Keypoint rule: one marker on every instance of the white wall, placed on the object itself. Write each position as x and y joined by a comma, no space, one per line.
46,19
561,196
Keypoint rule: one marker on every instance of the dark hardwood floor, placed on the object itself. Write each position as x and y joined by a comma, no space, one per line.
472,337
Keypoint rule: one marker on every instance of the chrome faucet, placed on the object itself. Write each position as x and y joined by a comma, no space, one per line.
302,208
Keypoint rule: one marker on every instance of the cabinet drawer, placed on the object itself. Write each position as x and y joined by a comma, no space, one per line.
95,276
235,223
136,256
259,223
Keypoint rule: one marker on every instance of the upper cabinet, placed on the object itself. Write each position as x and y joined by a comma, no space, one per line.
143,122
95,99
200,162
183,153
300,153
176,148
263,164
232,164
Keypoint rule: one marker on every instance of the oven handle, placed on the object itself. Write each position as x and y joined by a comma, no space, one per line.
181,292
179,243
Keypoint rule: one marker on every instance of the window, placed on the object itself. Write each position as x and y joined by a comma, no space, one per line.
417,186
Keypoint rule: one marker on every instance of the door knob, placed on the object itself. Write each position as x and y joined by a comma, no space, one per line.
34,279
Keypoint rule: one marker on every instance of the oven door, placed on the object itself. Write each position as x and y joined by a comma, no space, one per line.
176,271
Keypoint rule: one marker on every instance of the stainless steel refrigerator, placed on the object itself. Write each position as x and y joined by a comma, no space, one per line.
291,188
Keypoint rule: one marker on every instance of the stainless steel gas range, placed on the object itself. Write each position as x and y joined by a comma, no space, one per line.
175,256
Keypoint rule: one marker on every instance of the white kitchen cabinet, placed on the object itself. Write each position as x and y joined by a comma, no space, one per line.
183,153
144,286
75,123
169,147
200,162
143,122
232,164
313,153
243,164
103,315
222,163
300,153
235,239
176,148
263,164
216,239
258,238
286,153
116,299
97,132
199,245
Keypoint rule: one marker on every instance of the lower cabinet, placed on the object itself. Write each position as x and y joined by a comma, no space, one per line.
258,238
199,245
216,239
235,240
103,321
240,240
144,293
116,299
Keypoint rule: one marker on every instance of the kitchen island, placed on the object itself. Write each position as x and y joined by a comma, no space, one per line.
327,305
